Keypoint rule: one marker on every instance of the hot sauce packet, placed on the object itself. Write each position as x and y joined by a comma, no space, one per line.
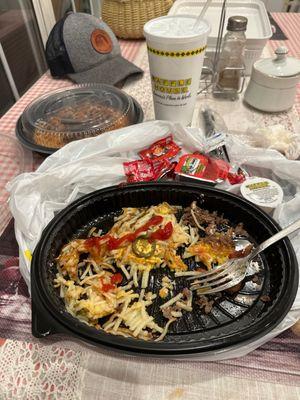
162,149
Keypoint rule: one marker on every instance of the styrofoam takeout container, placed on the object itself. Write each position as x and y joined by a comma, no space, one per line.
258,31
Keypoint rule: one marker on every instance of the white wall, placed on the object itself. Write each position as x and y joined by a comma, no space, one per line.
275,5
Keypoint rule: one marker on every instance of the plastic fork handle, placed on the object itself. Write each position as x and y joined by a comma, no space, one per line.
280,235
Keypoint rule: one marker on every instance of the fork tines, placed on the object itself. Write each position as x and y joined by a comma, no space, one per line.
217,278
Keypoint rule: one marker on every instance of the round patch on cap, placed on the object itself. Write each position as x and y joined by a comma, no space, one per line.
101,41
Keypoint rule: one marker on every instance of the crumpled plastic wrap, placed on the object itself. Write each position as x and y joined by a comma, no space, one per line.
90,164
277,137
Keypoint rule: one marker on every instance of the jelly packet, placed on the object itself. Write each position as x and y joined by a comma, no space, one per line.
202,168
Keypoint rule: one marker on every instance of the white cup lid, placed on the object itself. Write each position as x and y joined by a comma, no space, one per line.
175,28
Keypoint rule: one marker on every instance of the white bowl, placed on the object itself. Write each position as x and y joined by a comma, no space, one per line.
273,82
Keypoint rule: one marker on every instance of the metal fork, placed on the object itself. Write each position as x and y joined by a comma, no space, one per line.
234,271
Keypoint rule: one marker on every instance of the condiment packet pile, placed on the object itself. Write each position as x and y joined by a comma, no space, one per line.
155,161
158,162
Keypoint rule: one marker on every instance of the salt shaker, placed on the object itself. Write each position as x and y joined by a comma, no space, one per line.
231,60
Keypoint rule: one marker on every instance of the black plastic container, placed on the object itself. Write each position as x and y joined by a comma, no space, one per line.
234,321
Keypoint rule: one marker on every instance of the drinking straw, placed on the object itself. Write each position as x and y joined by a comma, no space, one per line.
201,15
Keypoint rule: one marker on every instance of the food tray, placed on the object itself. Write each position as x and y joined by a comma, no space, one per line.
83,111
233,321
258,31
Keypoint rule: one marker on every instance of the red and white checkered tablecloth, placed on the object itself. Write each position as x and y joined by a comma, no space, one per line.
11,164
290,24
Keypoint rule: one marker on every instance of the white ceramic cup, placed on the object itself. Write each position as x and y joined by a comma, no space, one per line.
175,60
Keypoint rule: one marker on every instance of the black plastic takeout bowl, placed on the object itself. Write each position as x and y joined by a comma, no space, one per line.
231,323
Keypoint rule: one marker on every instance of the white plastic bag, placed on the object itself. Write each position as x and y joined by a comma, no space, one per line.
90,164
277,137
80,168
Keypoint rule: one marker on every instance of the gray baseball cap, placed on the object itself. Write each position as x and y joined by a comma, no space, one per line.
85,49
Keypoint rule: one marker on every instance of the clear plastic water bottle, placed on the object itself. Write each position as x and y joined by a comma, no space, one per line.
232,55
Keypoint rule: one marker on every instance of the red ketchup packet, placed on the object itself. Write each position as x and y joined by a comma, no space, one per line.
236,177
139,171
162,149
162,167
219,169
203,168
146,170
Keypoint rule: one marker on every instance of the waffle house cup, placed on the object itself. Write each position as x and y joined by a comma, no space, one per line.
176,52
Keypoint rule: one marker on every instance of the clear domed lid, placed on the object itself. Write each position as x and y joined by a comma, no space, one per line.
68,114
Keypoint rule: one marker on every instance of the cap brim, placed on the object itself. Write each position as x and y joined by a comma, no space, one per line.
111,71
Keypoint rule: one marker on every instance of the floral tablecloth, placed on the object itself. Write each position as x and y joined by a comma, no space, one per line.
56,369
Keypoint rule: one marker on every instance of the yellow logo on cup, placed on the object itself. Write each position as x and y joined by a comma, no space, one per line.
171,86
177,54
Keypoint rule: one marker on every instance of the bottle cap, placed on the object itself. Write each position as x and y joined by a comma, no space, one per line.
237,23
